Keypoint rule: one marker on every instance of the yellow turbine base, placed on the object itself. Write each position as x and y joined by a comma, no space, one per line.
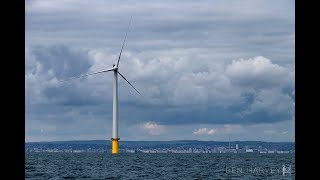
115,146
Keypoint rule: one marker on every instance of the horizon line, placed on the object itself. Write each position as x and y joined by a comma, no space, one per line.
165,141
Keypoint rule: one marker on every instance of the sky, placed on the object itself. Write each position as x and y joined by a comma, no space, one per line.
208,70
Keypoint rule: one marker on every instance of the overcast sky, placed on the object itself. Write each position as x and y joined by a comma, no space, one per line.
209,70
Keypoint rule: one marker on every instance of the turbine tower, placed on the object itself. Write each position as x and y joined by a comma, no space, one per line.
115,138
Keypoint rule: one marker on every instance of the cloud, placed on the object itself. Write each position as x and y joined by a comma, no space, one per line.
153,128
272,101
205,131
233,28
236,128
224,129
183,92
258,72
57,61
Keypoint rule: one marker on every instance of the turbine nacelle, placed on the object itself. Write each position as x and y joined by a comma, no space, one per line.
114,67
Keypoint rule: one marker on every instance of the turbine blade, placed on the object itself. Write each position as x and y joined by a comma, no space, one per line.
123,42
129,83
85,75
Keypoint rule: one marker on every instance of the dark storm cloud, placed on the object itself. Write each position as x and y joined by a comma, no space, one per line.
59,61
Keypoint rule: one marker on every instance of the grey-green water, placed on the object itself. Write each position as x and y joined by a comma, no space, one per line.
158,166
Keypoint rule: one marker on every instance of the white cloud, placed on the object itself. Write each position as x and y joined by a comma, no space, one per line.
205,131
258,72
222,129
235,128
153,128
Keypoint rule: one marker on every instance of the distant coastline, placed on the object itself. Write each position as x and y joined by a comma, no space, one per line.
176,146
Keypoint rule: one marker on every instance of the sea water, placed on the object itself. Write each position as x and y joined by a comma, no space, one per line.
59,165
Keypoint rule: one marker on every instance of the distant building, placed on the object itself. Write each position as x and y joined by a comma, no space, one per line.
237,147
249,150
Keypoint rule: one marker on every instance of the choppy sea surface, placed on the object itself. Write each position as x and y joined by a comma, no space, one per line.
46,165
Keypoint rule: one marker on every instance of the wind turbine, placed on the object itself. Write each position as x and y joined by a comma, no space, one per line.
115,138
